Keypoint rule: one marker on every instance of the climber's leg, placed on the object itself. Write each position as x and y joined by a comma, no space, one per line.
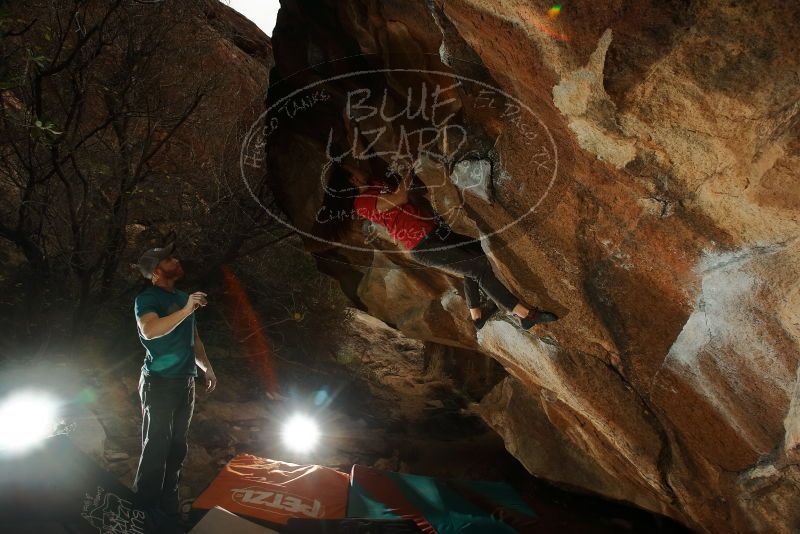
461,255
472,294
479,313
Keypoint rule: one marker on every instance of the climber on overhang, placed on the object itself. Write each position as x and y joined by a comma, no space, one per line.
432,243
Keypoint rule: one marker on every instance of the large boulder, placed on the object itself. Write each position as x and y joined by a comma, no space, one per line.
632,168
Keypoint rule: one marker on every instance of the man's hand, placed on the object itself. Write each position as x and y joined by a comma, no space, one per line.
211,380
196,300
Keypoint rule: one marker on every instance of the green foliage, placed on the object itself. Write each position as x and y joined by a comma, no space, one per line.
345,358
291,294
108,146
38,59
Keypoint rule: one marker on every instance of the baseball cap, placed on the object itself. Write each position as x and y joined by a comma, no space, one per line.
151,258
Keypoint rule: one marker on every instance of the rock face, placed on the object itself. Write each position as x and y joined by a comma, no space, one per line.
651,200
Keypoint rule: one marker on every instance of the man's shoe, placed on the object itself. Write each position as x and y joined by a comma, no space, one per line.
536,316
487,312
159,522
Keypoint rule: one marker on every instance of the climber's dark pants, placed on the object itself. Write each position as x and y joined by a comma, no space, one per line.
463,255
167,405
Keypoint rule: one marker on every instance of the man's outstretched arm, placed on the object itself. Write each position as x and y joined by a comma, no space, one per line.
201,359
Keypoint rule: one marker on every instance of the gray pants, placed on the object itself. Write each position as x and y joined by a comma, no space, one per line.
464,256
167,406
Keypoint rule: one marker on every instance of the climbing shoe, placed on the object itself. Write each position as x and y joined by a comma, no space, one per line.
536,316
487,311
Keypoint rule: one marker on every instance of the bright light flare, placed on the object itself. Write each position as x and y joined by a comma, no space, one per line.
301,433
26,419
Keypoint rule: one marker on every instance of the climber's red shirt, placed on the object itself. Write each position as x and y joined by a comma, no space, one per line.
404,223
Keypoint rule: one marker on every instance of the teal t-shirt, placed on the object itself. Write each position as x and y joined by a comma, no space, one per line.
171,355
